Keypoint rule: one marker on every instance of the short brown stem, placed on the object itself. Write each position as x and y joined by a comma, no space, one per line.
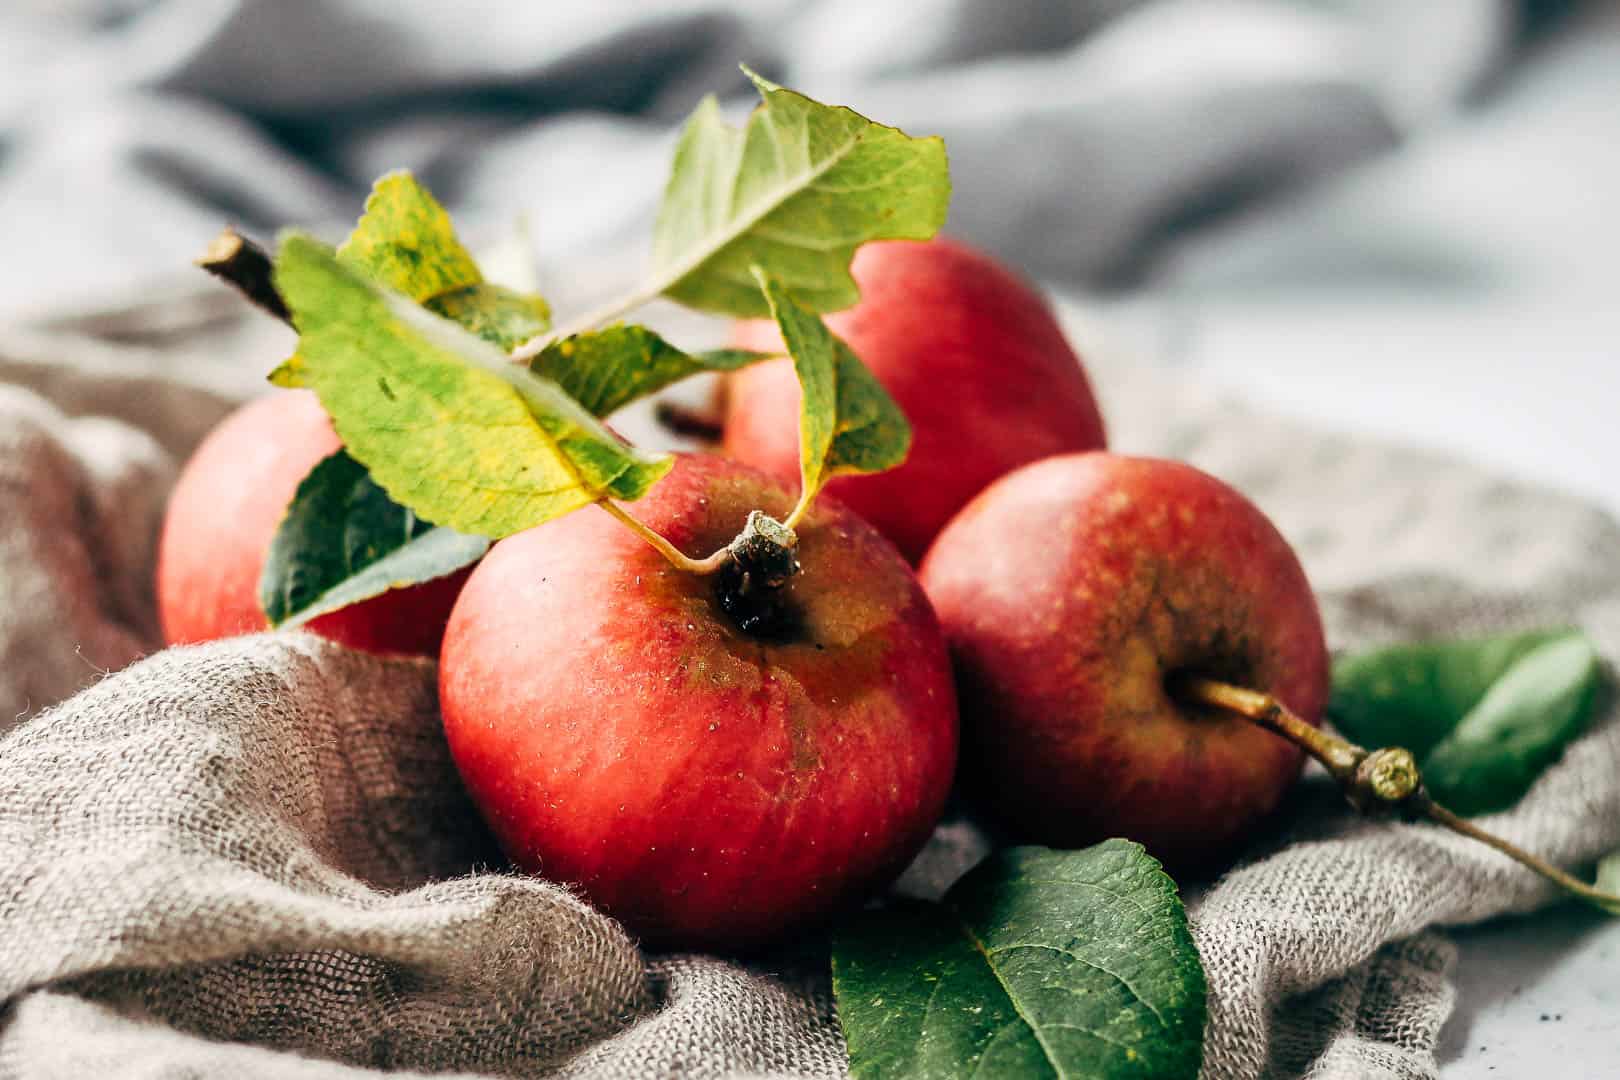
246,266
1379,780
687,422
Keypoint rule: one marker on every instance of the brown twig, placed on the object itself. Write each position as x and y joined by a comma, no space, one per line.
245,266
702,425
1382,780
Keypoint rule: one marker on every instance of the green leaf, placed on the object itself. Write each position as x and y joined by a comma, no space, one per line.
443,421
607,369
847,423
1038,963
1484,717
796,190
344,540
405,241
502,317
1608,879
1517,729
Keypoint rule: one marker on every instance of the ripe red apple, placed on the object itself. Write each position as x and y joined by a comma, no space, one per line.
223,513
1071,591
972,355
707,786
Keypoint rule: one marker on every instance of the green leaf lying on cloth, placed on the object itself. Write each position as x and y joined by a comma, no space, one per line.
604,370
1483,717
796,190
443,421
344,540
1038,963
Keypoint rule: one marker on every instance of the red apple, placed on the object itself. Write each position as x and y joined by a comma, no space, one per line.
972,355
223,513
709,787
1071,591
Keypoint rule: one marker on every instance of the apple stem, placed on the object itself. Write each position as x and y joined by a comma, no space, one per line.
246,267
1385,779
677,558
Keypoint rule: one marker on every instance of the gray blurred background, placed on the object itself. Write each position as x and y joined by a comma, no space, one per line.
1392,216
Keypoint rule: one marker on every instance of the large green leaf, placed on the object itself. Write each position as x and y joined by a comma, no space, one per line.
796,190
1484,717
607,369
1039,963
344,540
443,421
848,423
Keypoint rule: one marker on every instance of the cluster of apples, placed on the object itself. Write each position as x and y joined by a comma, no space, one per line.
714,784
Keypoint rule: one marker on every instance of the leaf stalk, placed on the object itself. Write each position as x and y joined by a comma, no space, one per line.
677,558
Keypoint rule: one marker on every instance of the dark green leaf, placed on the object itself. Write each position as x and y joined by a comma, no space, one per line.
1413,695
344,540
1517,729
796,190
1484,717
443,421
1038,963
848,423
607,369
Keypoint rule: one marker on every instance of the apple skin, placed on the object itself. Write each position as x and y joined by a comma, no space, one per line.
223,513
1069,590
708,789
970,352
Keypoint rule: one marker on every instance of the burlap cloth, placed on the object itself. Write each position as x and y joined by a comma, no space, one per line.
251,859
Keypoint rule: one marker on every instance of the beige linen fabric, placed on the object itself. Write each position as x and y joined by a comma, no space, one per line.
252,858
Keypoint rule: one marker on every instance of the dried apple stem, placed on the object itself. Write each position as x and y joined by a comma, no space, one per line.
1384,779
247,267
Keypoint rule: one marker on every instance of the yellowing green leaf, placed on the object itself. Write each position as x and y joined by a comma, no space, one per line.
796,190
607,369
443,422
405,241
344,540
500,316
847,423
1039,963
